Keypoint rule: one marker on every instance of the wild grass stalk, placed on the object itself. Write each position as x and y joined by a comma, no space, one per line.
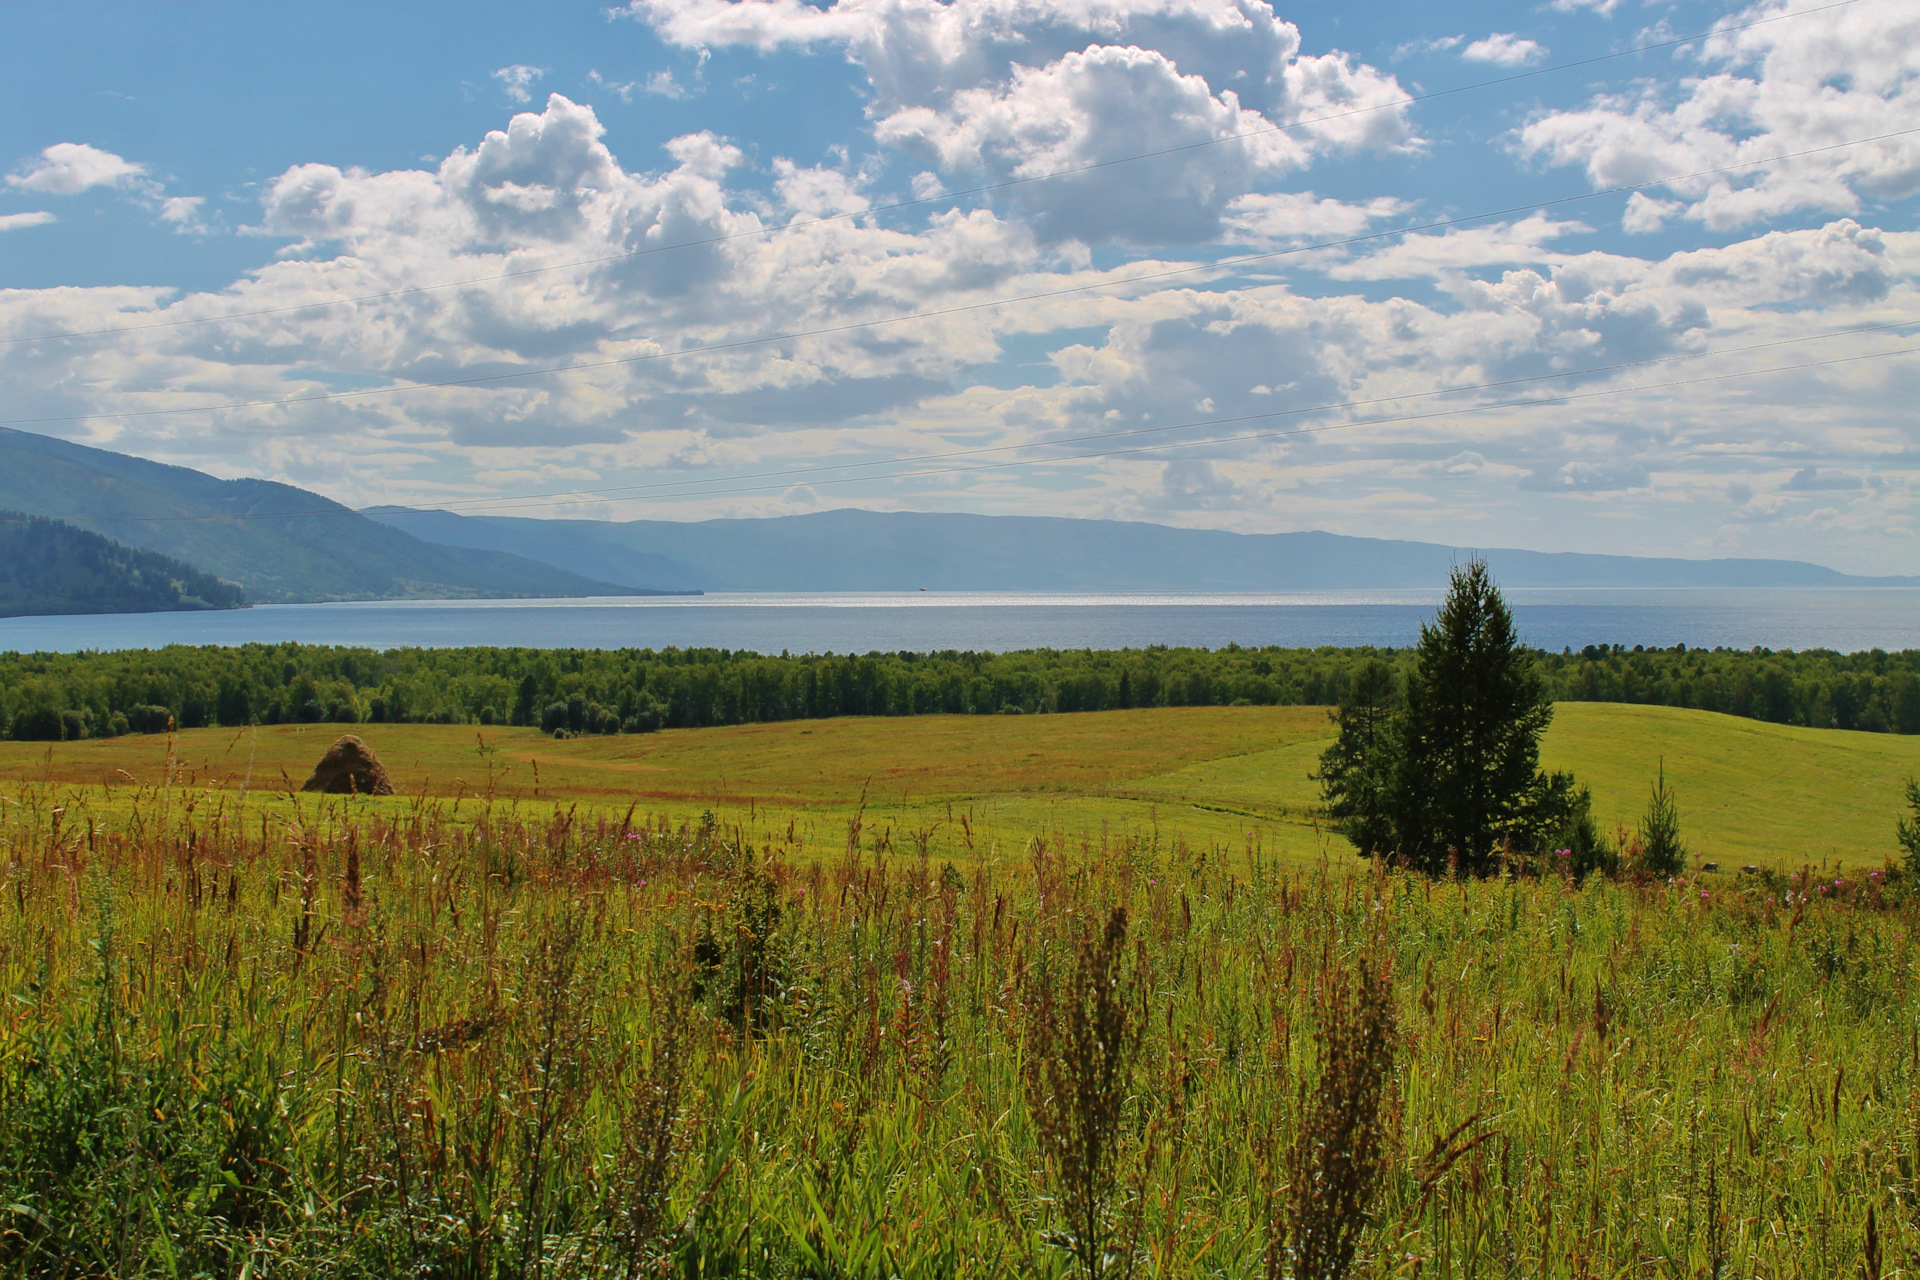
518,1041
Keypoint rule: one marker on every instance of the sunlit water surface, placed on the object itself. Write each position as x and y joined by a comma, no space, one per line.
1846,619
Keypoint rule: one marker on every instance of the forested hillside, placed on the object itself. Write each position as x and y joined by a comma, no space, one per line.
49,566
282,544
587,691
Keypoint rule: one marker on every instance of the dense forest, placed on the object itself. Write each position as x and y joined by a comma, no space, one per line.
49,566
54,696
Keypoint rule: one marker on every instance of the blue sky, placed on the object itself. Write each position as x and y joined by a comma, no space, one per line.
209,163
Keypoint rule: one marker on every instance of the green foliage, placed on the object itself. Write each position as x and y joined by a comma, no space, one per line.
1661,851
1470,741
1084,1036
1357,773
1451,780
638,690
1907,828
49,566
1874,691
343,1041
1342,1148
1568,831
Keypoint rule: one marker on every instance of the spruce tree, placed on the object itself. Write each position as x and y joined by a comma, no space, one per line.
1468,772
1908,829
1357,772
1661,852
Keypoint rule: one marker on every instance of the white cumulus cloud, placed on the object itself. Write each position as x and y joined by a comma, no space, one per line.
17,221
1505,49
1797,88
997,89
68,168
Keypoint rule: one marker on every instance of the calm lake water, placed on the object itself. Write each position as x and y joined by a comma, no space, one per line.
1845,619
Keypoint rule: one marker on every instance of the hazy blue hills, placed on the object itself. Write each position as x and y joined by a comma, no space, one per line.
854,550
48,566
281,543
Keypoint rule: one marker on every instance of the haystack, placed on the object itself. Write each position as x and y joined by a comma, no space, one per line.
350,766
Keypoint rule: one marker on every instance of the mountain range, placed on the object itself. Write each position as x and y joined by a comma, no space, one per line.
857,550
284,544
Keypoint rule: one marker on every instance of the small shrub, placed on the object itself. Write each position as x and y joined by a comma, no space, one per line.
741,968
1080,1069
1907,829
1661,852
148,718
1345,1138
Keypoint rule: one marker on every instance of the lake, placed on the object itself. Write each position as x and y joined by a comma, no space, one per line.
1846,619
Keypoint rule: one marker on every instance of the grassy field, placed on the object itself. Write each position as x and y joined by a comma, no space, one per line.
534,1045
1749,792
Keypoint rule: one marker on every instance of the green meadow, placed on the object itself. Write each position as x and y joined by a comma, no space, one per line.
1750,792
437,1035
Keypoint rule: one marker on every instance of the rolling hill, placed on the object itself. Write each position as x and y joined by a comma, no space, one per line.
48,566
280,543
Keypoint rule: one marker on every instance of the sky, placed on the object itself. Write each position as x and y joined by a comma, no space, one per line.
1583,275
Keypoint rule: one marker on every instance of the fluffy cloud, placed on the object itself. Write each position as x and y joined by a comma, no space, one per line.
1283,217
1092,106
17,221
1785,87
1505,49
1011,89
68,168
695,254
517,81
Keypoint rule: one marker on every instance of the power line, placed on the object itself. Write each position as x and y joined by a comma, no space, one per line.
583,497
944,197
488,380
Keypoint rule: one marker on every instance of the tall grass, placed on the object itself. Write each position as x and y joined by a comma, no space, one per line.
494,1043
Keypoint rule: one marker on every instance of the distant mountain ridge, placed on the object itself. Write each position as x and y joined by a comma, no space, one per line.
234,529
284,544
51,567
857,550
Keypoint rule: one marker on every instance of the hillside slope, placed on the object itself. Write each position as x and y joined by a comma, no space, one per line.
282,544
855,550
1748,792
48,566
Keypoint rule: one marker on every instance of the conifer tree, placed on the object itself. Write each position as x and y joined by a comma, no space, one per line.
1661,852
1476,708
1357,772
1908,829
1449,780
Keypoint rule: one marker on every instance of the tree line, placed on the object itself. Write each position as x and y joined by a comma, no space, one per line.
55,696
